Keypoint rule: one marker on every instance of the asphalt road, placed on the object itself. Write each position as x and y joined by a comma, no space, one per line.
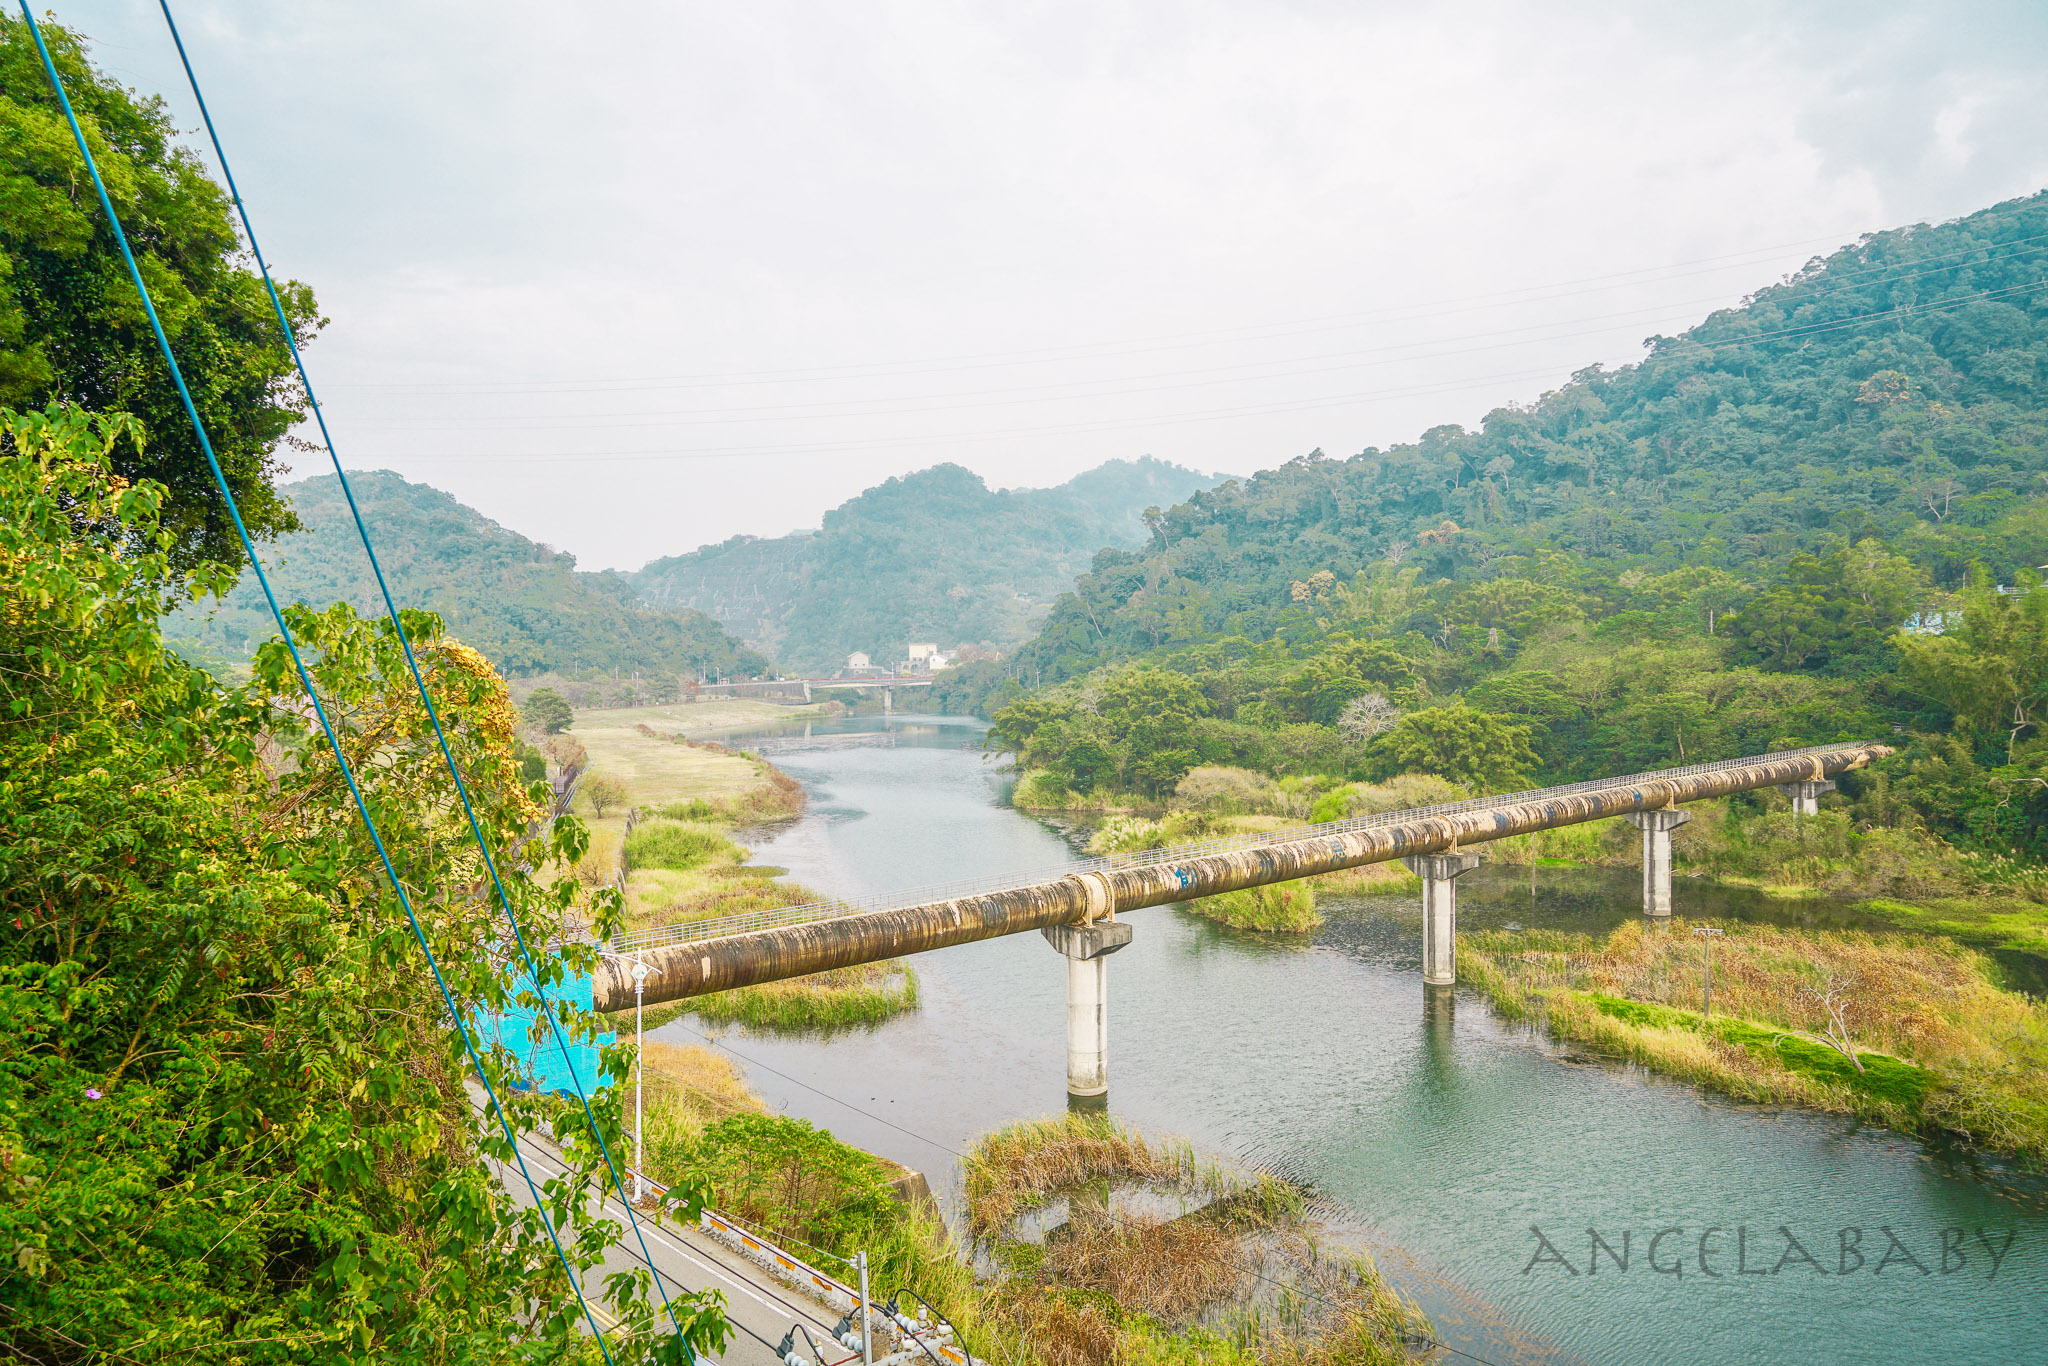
759,1307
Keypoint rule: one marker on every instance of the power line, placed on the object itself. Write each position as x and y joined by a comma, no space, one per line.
291,645
533,971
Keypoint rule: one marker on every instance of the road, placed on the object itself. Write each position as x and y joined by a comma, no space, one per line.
686,1260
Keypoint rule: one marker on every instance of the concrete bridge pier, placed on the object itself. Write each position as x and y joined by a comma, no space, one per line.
1657,827
888,701
1440,912
1087,949
1806,795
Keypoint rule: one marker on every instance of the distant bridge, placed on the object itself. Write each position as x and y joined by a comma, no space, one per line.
888,683
1075,906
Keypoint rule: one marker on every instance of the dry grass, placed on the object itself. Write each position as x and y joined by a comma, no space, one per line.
707,1086
687,1090
1112,1288
1171,1271
1940,1046
1023,1165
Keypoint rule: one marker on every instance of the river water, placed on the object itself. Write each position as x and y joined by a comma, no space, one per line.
1476,1160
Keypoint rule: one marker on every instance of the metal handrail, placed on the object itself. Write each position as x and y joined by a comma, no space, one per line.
724,926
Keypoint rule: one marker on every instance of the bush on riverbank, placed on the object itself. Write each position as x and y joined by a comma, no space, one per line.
867,994
1277,908
1940,1047
679,846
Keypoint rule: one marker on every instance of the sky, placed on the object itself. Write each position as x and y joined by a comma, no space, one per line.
634,277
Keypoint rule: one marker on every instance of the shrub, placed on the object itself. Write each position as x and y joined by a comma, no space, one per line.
676,845
1278,907
790,1178
1229,791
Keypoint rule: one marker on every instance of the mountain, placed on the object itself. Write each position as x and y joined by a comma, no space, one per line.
1897,388
936,555
521,603
1820,515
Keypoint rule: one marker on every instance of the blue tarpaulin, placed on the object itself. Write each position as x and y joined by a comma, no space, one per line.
540,1060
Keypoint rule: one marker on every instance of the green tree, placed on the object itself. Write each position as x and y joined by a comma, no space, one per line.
548,709
1990,669
72,329
1152,713
1469,747
232,1126
603,792
1783,628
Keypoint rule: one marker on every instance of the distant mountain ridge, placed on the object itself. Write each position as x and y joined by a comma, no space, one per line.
934,555
1895,389
523,604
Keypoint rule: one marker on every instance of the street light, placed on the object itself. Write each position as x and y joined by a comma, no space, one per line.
1710,934
641,972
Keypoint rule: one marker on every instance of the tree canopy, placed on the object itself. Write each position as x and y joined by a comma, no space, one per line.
73,330
1816,516
232,1124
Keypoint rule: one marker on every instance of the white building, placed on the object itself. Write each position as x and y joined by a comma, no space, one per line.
858,660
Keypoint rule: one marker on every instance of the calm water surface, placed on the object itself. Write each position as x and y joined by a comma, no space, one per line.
1434,1133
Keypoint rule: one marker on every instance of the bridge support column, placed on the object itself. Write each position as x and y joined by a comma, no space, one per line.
1657,827
1087,949
1806,795
1440,912
807,690
888,701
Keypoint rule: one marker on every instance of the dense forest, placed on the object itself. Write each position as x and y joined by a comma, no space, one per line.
1819,514
524,605
936,555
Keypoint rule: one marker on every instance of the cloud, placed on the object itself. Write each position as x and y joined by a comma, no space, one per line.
777,252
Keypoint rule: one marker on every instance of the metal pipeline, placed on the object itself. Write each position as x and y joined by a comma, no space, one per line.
695,969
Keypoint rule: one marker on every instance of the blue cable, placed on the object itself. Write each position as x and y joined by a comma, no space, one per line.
405,643
305,678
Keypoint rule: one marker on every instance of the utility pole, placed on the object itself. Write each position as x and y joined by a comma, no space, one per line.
867,1343
1708,933
640,972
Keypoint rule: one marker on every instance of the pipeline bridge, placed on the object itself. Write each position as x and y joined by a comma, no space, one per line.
1075,906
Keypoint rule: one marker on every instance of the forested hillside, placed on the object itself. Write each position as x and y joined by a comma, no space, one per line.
1708,552
520,603
936,555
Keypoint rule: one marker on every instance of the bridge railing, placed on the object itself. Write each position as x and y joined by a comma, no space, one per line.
723,926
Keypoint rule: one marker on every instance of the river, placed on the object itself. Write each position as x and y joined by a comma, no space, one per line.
1444,1144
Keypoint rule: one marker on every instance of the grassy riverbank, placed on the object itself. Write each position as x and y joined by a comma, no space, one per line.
1904,1030
688,800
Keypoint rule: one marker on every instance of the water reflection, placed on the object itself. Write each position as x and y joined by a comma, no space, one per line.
1442,1135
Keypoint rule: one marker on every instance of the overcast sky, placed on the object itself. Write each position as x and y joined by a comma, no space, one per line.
635,277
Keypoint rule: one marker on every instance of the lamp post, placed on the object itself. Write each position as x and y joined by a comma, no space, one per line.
1708,933
641,972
